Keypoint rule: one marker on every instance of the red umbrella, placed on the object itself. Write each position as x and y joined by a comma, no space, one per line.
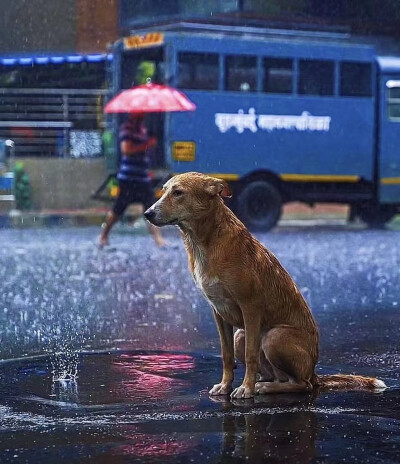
149,98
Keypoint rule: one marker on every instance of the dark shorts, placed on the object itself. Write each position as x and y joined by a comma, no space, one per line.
133,192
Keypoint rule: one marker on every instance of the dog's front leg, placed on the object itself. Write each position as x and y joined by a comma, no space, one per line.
225,332
252,348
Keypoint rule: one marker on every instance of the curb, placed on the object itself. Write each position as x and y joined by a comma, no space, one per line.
37,220
18,220
21,220
312,222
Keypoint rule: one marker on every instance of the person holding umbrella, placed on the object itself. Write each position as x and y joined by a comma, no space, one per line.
133,175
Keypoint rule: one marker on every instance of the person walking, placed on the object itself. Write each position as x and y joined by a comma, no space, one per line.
133,176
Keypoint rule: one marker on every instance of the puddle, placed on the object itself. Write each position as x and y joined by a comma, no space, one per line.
153,406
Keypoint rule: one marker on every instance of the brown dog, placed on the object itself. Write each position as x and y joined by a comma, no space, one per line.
247,288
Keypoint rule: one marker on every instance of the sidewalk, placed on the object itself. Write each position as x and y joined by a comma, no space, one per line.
322,213
292,213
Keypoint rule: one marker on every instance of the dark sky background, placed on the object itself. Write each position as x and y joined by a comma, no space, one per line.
376,17
364,16
370,17
43,25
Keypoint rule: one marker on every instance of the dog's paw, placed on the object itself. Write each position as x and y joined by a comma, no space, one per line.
221,389
242,392
263,388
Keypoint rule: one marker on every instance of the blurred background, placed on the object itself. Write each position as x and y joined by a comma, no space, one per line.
61,61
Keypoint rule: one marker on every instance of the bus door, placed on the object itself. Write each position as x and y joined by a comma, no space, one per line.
389,160
141,59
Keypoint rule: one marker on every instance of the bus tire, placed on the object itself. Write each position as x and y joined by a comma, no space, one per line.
376,216
259,205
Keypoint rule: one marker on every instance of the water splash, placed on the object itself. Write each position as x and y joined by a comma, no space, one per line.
63,343
65,388
64,366
64,371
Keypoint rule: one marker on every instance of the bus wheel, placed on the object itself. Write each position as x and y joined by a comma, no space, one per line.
259,205
376,216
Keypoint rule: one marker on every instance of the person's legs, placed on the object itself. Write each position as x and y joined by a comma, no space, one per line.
106,227
130,192
120,205
156,233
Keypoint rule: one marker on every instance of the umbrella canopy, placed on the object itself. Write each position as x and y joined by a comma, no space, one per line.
149,98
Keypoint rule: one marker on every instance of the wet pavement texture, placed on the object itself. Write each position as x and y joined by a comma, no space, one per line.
107,355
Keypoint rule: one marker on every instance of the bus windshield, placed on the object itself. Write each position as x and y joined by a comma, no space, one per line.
140,66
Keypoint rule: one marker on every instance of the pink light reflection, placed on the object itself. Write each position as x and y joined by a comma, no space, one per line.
145,445
150,376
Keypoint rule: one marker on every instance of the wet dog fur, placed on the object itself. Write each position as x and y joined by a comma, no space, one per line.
248,289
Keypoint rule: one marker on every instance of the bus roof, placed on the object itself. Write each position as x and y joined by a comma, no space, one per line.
389,64
246,30
297,32
263,29
186,33
257,40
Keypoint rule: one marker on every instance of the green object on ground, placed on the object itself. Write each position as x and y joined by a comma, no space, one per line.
109,150
22,188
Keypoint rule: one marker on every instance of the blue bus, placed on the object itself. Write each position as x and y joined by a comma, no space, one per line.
282,115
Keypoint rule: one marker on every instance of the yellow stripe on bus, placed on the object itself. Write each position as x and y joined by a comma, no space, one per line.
296,177
318,178
218,176
390,180
225,176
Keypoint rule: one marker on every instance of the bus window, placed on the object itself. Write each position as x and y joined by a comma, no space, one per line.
355,80
241,73
278,75
198,71
394,103
316,77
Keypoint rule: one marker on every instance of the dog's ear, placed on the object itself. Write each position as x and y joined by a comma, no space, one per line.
218,187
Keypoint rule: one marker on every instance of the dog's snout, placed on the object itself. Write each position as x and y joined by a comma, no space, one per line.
149,214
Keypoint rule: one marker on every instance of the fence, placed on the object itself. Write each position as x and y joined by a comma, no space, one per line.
52,122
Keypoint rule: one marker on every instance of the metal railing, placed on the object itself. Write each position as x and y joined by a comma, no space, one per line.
40,121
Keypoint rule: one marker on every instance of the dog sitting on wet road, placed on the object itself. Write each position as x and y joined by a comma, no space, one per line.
247,288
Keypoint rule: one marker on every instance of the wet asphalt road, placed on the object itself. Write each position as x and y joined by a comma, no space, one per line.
117,349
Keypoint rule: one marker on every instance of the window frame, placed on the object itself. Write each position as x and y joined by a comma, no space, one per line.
392,84
204,53
260,68
294,74
340,79
299,75
224,70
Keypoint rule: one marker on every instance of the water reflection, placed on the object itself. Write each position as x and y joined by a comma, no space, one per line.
280,429
151,375
154,446
279,437
150,407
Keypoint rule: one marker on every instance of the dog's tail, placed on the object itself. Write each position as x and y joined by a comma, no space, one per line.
348,382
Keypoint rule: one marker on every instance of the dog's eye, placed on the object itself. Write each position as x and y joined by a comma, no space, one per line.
177,193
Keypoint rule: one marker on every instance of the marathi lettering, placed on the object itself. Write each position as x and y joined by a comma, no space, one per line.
240,121
270,122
